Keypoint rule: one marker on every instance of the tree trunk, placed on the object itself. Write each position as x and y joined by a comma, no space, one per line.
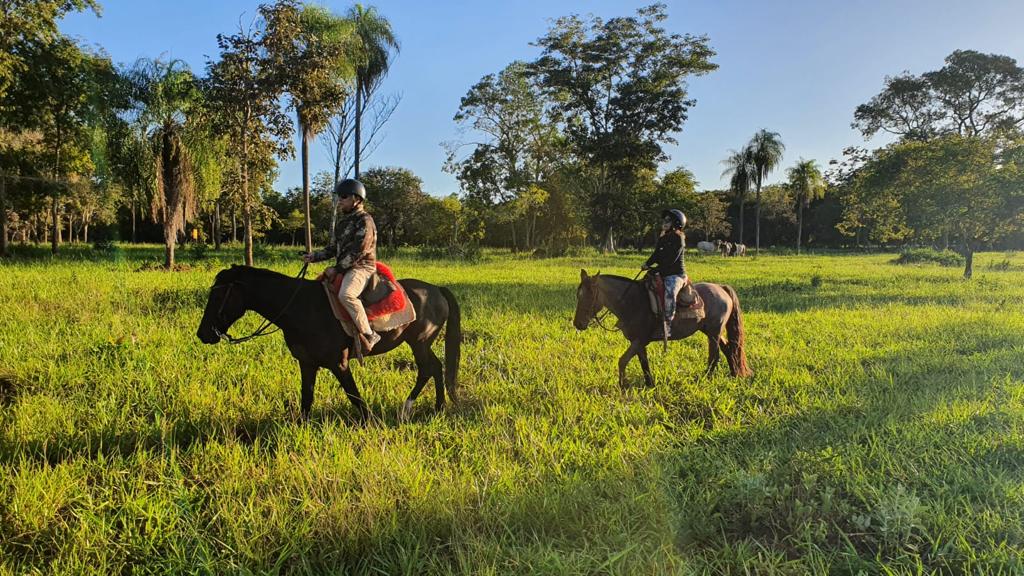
609,241
359,126
740,238
168,249
85,232
968,259
131,208
799,224
306,135
234,226
55,238
3,216
246,202
216,225
71,227
757,222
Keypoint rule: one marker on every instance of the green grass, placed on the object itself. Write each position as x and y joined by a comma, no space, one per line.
883,432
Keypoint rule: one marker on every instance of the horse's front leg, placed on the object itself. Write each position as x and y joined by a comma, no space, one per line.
635,346
348,383
648,378
308,370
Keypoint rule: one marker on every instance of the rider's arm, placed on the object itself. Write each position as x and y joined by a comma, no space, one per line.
654,260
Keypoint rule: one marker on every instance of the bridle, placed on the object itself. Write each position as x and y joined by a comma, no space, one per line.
262,330
598,316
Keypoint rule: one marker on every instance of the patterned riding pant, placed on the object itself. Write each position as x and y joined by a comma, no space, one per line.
673,284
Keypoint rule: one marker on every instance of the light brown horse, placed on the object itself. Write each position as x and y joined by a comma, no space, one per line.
627,300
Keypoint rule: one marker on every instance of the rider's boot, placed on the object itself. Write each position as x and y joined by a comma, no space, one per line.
368,341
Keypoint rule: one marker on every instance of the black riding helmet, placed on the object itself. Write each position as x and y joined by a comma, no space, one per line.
676,217
350,187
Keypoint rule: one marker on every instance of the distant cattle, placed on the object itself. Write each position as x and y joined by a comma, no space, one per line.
707,247
730,248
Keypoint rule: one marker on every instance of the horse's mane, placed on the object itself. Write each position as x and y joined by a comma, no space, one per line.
614,277
237,269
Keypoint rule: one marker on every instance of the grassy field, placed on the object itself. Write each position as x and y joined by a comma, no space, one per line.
883,432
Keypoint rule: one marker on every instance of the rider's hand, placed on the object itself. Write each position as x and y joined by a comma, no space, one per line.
307,258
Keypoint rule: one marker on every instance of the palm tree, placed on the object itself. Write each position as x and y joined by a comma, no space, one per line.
806,181
165,115
377,42
740,169
765,150
315,52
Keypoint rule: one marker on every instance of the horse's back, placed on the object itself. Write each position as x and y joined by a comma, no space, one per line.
427,299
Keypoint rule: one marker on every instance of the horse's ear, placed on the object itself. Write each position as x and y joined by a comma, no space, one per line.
583,275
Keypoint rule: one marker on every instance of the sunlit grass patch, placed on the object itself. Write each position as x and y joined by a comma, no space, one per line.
883,429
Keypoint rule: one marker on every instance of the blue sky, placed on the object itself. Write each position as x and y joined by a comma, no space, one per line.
798,67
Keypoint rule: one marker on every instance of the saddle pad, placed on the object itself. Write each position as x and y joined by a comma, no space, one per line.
394,311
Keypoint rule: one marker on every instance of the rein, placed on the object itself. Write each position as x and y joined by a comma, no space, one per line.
262,330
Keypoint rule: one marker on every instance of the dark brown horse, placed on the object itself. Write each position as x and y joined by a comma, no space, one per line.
315,338
628,301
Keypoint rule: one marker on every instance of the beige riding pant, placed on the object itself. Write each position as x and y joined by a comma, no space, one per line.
352,286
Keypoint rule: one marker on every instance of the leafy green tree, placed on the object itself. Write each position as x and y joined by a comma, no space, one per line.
243,88
739,167
53,96
965,187
618,88
512,150
377,46
25,24
973,94
808,184
315,52
396,199
710,215
765,150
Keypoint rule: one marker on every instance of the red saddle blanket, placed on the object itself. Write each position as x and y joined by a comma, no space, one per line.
393,302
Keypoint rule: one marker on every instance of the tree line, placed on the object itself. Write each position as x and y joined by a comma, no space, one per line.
564,150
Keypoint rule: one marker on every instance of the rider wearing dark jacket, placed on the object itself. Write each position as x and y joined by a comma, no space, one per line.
667,261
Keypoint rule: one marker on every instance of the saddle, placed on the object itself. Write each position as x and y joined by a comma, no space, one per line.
385,301
689,304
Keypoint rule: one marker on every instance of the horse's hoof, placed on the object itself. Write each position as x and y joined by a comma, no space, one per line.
405,412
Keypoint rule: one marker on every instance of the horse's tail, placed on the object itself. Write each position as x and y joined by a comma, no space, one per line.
452,344
734,349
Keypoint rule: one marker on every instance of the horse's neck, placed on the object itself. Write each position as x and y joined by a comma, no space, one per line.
617,293
268,295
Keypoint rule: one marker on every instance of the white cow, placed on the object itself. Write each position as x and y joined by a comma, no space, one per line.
707,247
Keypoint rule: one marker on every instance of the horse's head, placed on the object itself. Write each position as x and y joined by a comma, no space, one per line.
224,305
587,300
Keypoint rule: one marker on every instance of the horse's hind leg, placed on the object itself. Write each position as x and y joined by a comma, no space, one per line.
348,383
428,366
714,353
